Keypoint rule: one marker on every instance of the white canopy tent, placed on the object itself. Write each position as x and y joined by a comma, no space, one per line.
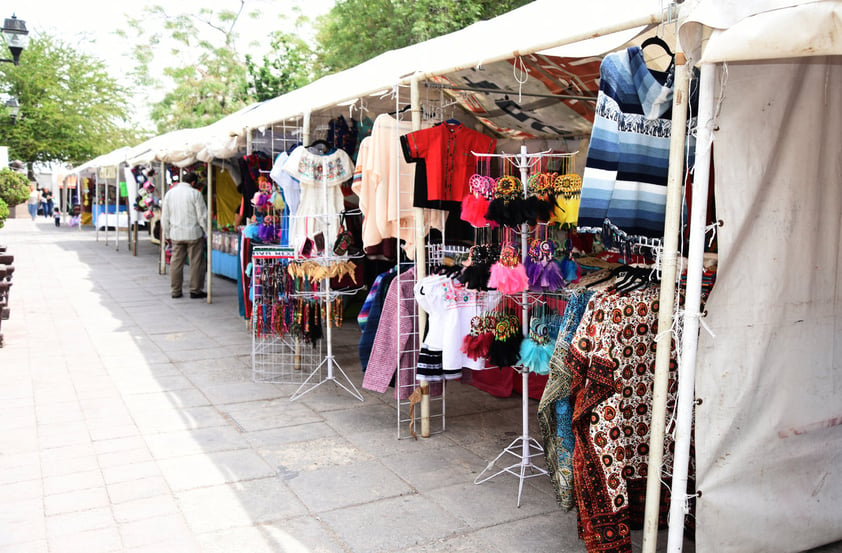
768,426
768,429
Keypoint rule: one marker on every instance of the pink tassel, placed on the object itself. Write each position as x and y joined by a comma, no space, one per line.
474,209
508,280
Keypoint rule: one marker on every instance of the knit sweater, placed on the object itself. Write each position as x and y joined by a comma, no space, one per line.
625,179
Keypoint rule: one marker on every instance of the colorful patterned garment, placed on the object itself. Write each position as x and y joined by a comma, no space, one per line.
612,360
554,412
625,178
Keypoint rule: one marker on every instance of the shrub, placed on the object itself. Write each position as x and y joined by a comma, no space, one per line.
4,213
14,187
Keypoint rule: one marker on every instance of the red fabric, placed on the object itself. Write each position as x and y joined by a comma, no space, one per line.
504,382
446,150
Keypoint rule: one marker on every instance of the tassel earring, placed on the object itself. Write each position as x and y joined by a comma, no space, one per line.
505,348
475,204
474,345
536,349
508,275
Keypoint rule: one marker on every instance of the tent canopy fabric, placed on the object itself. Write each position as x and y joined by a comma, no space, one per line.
486,52
763,29
769,426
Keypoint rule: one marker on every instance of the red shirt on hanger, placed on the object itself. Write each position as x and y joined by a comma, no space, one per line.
446,148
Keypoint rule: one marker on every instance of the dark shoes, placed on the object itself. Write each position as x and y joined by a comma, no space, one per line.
193,295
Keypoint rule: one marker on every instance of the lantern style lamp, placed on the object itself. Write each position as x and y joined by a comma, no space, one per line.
17,37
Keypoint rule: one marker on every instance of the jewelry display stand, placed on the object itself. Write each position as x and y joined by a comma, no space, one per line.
523,448
289,359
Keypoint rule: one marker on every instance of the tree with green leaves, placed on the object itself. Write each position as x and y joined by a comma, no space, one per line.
287,66
357,30
14,190
205,77
71,109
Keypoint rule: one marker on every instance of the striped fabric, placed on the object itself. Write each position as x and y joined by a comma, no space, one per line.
625,178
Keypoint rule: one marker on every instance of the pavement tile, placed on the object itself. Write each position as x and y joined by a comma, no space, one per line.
549,533
300,535
120,458
429,469
150,531
261,415
314,454
76,500
66,524
101,540
118,445
39,546
339,486
19,491
73,481
176,399
147,507
154,422
393,524
280,437
191,442
238,504
194,471
132,490
130,472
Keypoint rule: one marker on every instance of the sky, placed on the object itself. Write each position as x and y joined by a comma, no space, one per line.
91,25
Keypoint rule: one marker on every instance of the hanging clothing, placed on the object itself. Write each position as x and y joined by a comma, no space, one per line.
446,149
625,178
555,414
369,315
289,185
395,334
251,166
384,185
320,177
611,360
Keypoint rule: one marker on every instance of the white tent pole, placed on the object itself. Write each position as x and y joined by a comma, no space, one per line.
95,204
418,213
162,261
305,131
693,296
117,208
672,227
208,239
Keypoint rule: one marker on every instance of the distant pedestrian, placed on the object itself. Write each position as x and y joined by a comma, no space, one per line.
57,216
46,202
33,201
184,218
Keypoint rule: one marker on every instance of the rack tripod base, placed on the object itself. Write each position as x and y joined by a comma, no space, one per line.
311,383
523,448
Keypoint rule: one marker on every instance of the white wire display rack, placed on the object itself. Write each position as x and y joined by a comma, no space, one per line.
524,448
412,324
277,356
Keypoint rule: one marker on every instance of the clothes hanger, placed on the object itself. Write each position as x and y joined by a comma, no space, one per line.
661,43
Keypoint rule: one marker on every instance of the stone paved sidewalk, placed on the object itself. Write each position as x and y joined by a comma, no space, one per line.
129,421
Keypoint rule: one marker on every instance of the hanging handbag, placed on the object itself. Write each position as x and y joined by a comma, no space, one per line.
344,243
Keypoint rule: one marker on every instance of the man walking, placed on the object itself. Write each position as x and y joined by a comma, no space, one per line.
184,218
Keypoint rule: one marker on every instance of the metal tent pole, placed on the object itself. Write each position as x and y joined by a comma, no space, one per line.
208,241
672,228
162,245
693,297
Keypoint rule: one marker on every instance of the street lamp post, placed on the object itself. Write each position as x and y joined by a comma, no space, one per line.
17,37
13,107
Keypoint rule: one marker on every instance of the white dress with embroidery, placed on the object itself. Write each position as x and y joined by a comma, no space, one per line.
321,196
